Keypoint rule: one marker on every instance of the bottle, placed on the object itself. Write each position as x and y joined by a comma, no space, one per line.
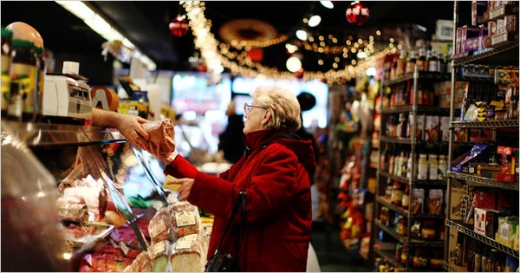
422,167
443,66
443,166
409,171
40,81
405,201
391,163
433,167
397,194
401,65
393,70
428,230
411,62
421,61
24,76
458,250
7,46
433,61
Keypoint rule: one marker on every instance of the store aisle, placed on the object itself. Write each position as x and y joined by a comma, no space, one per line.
332,255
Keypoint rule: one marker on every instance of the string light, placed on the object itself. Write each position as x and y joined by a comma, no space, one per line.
215,52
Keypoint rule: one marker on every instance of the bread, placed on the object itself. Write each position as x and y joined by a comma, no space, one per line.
161,133
160,225
187,254
186,219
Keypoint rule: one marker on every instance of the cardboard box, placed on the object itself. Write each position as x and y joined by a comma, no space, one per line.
479,223
492,222
461,163
477,12
485,199
456,195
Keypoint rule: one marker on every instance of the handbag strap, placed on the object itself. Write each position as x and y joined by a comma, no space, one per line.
241,200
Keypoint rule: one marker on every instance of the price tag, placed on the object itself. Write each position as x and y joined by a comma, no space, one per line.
185,218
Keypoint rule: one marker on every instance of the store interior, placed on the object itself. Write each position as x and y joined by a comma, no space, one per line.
413,106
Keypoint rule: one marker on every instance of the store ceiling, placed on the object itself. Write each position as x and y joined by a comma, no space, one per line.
145,23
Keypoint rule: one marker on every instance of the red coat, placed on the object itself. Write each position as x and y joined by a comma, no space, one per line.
275,174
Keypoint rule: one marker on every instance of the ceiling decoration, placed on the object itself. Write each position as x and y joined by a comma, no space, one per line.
242,33
218,54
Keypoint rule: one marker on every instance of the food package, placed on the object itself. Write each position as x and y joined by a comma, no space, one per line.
73,208
435,201
142,263
161,225
186,219
95,198
188,254
160,254
161,133
107,259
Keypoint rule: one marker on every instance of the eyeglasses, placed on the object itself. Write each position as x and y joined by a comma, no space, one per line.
248,108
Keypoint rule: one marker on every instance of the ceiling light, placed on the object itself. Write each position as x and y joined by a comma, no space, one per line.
301,34
314,20
293,64
327,4
291,48
103,28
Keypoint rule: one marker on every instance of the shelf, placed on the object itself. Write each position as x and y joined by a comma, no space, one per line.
405,240
388,139
496,124
42,134
389,256
463,228
420,109
504,56
395,177
422,76
451,267
477,181
386,202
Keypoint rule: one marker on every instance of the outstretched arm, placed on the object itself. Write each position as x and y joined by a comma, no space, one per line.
129,126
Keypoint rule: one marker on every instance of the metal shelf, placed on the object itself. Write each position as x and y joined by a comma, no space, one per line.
388,139
459,226
389,256
419,109
386,202
422,76
451,267
496,124
406,240
504,56
42,134
395,177
477,181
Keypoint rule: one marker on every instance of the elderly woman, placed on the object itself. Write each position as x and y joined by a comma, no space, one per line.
274,172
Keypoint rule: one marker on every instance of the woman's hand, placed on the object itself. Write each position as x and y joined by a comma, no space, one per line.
156,150
185,187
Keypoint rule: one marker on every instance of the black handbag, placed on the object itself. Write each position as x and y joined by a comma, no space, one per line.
223,262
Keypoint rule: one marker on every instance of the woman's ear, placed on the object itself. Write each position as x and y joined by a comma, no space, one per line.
266,118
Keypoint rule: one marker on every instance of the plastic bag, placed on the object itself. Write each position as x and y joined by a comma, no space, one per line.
161,133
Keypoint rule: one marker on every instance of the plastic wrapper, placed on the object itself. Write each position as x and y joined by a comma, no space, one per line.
160,254
142,263
31,234
161,225
186,219
188,254
161,133
72,208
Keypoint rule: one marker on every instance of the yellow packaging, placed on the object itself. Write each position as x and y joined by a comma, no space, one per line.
171,187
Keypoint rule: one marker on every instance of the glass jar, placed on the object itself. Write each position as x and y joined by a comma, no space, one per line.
402,226
24,76
7,45
433,167
404,254
397,194
437,258
398,251
422,168
420,259
428,230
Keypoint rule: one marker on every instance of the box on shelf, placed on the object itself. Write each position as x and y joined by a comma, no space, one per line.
457,194
486,221
478,8
461,163
485,199
507,230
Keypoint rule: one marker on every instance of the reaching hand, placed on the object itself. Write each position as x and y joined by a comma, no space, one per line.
130,127
185,188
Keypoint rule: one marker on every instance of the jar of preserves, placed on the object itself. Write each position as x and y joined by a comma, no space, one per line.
7,45
404,254
437,258
398,251
24,75
397,193
428,230
420,259
402,226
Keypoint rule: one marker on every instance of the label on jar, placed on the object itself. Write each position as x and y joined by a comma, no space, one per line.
428,234
405,203
420,261
25,74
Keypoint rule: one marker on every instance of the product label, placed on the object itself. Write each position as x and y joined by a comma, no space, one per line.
26,75
185,242
185,218
158,228
157,249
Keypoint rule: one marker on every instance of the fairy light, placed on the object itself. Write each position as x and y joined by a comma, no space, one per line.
216,53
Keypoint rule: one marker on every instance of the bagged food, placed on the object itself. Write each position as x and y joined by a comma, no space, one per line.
187,254
161,133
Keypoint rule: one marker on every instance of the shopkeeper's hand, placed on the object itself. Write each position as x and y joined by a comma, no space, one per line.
185,187
130,127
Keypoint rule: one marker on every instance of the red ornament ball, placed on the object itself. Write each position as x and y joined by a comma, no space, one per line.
299,74
179,26
357,13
